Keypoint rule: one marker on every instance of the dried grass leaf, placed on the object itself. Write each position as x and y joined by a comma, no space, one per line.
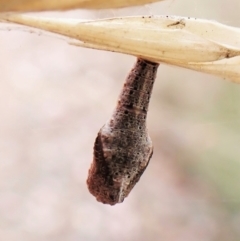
202,45
48,5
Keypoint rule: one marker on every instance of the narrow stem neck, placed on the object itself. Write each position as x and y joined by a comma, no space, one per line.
131,110
138,86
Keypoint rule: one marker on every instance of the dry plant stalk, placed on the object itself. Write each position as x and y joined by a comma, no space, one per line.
48,5
197,44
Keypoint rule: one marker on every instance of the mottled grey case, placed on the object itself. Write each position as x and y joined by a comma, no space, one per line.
123,148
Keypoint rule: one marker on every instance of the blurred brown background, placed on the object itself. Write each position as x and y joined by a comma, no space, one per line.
54,99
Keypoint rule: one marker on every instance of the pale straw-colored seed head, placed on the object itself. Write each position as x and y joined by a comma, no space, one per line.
203,45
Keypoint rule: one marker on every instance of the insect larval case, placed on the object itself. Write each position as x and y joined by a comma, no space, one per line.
123,148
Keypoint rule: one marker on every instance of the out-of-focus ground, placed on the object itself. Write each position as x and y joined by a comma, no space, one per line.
54,97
